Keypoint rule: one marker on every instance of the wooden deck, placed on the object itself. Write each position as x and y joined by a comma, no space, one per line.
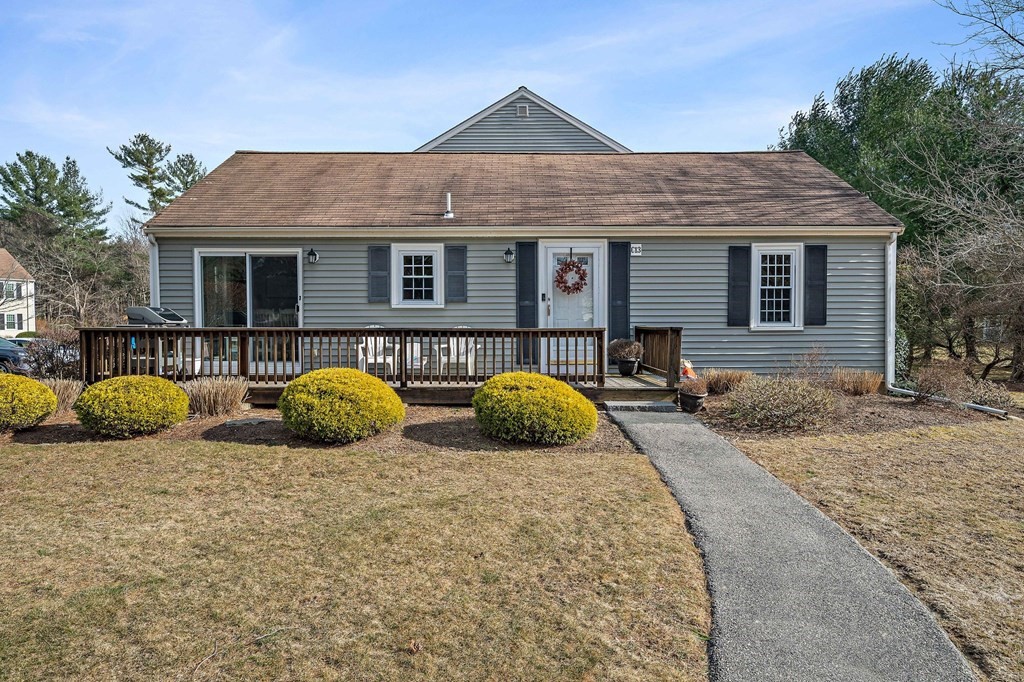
424,365
639,387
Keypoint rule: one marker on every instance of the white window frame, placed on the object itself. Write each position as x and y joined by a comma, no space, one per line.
398,252
197,277
796,251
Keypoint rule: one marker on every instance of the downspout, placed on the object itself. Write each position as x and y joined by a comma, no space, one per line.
890,338
154,272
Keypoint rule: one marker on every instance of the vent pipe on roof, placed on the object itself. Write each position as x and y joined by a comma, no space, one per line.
448,211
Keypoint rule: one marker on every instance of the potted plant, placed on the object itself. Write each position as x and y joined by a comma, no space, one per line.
627,353
692,391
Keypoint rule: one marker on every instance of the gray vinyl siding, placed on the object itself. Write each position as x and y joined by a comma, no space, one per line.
676,282
503,131
684,283
335,288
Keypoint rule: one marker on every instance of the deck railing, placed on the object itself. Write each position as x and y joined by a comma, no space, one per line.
272,355
662,351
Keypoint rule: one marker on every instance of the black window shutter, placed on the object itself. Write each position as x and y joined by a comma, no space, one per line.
526,284
21,322
379,262
618,290
455,274
17,291
815,285
3,322
739,286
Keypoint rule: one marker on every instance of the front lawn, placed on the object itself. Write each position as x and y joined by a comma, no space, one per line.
421,554
943,506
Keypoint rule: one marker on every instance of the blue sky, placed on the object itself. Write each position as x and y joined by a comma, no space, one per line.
211,77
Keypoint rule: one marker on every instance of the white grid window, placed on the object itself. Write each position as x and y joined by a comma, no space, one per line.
777,292
776,298
416,279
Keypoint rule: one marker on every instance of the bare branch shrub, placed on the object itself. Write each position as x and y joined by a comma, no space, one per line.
991,394
56,356
944,379
780,403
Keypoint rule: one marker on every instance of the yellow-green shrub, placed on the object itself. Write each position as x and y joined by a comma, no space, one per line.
339,406
24,402
521,407
123,407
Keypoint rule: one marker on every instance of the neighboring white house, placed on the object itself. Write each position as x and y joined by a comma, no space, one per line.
17,297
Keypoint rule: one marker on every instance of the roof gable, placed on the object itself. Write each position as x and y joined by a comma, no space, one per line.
11,269
502,127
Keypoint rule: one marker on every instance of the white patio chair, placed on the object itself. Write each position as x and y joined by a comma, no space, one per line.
375,350
458,351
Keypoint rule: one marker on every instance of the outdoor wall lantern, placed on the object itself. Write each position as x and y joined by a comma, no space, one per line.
312,256
510,255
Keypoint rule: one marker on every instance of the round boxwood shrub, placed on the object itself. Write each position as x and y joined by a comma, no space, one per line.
124,407
24,402
521,407
339,405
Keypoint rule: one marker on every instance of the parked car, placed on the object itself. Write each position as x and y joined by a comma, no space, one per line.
13,358
23,342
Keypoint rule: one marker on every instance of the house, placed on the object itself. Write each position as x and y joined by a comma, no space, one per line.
499,223
17,297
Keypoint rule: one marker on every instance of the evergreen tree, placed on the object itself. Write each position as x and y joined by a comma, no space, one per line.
149,169
144,156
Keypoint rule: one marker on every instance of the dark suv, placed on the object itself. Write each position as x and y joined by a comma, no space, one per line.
13,358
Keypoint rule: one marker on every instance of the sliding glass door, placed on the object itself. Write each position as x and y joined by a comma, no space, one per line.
249,289
225,291
274,282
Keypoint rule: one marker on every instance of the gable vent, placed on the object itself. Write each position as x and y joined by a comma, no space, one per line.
522,111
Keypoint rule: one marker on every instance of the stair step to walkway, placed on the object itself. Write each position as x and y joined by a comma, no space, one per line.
640,406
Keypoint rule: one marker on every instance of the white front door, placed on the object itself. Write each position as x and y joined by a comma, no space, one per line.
572,307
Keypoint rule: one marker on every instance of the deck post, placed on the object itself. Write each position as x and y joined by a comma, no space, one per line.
243,355
403,369
675,354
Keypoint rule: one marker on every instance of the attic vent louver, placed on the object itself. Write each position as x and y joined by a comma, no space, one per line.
522,111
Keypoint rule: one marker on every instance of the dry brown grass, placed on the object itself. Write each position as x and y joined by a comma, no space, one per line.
159,559
215,396
940,505
856,381
67,392
724,380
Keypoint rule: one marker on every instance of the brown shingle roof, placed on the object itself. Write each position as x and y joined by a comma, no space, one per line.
268,189
10,268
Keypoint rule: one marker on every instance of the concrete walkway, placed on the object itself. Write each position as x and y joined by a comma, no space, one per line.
794,597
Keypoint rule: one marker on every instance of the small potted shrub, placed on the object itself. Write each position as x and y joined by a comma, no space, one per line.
692,392
628,354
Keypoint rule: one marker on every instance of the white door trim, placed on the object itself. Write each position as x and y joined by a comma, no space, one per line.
546,276
197,276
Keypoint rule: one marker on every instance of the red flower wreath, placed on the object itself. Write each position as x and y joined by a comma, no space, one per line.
571,266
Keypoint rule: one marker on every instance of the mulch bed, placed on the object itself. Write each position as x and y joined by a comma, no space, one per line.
425,428
855,415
